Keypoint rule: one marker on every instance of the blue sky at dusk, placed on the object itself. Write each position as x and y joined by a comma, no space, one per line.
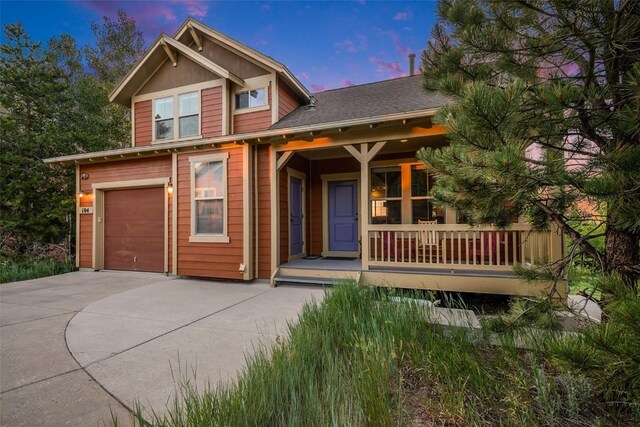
325,44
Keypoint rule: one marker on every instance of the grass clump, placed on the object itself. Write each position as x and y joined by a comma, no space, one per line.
14,271
359,358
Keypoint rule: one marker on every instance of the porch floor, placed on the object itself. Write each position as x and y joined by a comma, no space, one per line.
325,264
356,265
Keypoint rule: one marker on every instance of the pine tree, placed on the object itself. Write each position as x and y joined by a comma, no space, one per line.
35,101
545,115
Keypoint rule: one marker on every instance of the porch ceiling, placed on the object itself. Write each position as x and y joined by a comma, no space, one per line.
391,147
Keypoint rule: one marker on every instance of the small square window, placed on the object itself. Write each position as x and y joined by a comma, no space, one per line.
250,98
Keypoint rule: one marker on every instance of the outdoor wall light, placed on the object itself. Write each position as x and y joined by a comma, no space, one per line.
84,176
80,195
170,187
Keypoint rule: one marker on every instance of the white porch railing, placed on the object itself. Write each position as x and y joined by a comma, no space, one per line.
460,246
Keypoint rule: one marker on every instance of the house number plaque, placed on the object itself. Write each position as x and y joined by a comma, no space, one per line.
86,210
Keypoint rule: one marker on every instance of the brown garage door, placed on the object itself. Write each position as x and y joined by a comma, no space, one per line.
134,229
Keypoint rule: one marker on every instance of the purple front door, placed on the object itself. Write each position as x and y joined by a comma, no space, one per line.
343,216
295,201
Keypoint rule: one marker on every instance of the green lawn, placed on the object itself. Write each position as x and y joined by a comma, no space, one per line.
11,271
360,359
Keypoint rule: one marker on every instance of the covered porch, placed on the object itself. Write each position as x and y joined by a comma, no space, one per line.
361,209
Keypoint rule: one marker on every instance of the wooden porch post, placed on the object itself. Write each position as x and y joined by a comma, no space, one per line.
275,220
364,205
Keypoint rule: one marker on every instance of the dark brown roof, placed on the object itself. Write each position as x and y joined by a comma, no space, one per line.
395,96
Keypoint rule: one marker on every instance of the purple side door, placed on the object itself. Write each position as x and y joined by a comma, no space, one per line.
295,200
343,216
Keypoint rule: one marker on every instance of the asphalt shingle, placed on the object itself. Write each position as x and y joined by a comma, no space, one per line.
368,100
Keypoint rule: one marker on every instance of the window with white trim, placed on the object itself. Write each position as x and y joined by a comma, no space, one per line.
386,195
251,98
187,115
422,207
209,198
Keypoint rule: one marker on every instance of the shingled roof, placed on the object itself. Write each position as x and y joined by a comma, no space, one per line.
395,96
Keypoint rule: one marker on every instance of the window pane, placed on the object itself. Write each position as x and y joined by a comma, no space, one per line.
164,108
242,100
189,125
424,210
209,180
421,182
386,211
164,129
188,103
386,182
209,216
256,97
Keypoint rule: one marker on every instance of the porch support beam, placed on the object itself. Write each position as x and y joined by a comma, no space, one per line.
171,54
196,38
376,148
354,152
282,161
275,206
364,205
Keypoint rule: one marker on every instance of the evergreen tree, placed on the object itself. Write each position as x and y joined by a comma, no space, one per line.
545,115
119,44
35,204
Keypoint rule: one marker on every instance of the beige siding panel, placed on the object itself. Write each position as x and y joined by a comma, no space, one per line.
126,170
143,123
211,112
215,260
185,73
230,61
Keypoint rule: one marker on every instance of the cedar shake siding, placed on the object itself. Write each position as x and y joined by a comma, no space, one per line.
143,123
218,260
185,73
211,112
287,102
126,170
264,210
228,60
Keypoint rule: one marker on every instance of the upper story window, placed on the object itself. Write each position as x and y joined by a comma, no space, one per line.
187,114
250,98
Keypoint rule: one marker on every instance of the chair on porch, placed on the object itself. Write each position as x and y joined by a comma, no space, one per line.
428,242
486,248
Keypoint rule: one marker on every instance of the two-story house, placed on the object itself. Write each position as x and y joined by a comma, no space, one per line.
236,171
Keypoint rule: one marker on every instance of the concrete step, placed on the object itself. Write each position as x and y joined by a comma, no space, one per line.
304,280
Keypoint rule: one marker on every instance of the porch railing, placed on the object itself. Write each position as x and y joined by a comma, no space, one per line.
460,246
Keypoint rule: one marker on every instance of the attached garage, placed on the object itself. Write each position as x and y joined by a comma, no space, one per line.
134,229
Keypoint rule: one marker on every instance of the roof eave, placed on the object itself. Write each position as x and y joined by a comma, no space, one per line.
160,149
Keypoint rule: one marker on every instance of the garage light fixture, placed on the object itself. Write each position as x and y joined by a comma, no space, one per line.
169,187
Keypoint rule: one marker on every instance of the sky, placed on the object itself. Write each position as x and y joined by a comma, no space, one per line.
326,44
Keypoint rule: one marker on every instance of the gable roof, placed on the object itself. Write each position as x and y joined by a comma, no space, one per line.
402,95
183,35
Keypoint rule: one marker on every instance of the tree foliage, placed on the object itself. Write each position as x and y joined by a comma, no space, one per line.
545,117
51,106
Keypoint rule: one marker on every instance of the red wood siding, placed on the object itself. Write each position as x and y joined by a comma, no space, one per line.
286,100
143,123
219,260
253,122
264,213
211,112
126,170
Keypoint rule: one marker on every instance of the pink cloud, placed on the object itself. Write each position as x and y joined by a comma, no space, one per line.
392,68
395,38
317,87
304,75
347,83
402,16
197,8
349,46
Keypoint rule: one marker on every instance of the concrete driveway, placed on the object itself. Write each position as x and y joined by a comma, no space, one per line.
78,347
